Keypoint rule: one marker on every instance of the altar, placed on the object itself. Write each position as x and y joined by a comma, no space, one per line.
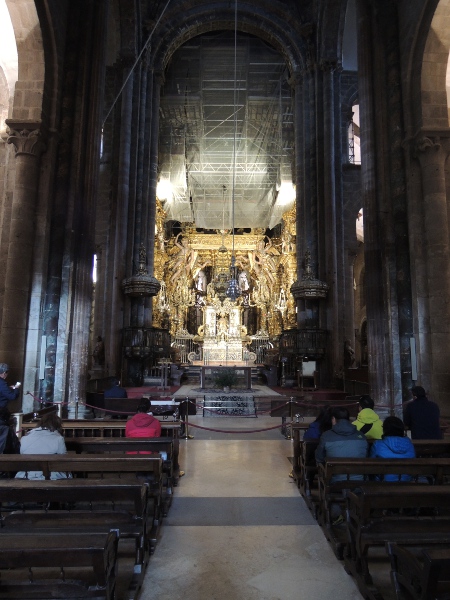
222,338
210,374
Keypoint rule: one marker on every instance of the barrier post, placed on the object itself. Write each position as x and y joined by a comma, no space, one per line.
291,416
186,420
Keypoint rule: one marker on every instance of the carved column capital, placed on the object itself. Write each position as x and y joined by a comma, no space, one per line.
26,136
424,144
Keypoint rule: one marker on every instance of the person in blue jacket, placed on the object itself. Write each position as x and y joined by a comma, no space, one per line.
393,444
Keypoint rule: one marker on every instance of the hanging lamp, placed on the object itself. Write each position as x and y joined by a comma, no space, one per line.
233,290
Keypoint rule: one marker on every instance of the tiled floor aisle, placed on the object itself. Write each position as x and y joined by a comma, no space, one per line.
238,528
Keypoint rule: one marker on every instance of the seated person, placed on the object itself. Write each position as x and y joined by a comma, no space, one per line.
115,391
319,425
367,421
394,444
45,439
143,424
343,440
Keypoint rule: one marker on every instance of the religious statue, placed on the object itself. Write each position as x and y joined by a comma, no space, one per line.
262,260
222,327
287,245
349,355
200,281
99,352
243,281
184,260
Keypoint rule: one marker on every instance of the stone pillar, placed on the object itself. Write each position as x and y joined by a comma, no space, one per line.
432,153
28,142
377,315
332,242
118,240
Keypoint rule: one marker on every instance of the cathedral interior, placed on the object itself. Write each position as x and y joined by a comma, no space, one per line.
215,182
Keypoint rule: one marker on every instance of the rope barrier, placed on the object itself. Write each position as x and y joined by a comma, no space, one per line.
237,430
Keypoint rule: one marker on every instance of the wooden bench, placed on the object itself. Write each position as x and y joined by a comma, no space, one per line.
423,577
389,513
421,470
95,466
32,551
106,428
90,505
135,445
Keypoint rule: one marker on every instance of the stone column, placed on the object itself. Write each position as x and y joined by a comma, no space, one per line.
375,262
27,139
158,80
432,154
117,263
332,242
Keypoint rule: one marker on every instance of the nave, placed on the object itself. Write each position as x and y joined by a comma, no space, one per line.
238,527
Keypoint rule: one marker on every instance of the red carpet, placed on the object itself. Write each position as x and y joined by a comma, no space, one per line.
138,392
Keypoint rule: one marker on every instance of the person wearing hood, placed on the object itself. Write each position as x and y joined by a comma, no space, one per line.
367,421
143,424
394,444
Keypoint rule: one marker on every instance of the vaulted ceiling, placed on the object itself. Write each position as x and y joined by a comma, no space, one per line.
226,133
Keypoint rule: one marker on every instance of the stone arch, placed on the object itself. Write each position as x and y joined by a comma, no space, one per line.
29,89
8,64
284,31
434,100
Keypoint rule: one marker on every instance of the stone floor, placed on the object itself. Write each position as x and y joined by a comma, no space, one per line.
238,527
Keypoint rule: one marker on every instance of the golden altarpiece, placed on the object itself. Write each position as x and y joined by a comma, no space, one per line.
194,269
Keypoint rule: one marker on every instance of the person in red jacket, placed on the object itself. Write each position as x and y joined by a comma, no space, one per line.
143,424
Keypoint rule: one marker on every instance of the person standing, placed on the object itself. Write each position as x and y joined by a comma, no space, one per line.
367,421
7,393
421,416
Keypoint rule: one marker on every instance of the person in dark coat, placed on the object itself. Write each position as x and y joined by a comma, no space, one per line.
115,391
9,442
342,440
7,393
421,416
394,444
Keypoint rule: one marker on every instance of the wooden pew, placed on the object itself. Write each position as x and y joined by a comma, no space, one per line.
91,505
114,429
307,477
106,428
306,470
333,492
95,466
389,513
423,577
32,551
135,445
434,470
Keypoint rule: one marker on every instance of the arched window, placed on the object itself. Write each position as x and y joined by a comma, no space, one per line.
354,140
